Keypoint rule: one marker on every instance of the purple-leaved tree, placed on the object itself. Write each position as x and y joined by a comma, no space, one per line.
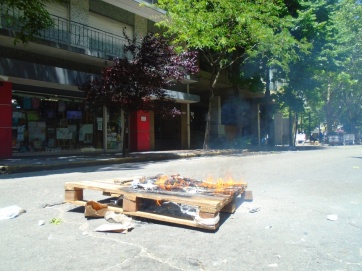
139,82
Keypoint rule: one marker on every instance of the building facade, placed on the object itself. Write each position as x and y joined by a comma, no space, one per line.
42,107
43,111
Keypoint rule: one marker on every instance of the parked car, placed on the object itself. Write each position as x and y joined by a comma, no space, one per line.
334,139
301,138
348,139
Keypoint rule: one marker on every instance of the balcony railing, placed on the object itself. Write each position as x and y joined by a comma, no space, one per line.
70,33
149,1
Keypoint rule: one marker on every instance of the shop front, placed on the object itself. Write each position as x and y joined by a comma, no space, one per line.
43,120
53,124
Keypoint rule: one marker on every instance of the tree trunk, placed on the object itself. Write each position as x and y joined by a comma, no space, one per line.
329,110
208,120
268,109
214,77
291,125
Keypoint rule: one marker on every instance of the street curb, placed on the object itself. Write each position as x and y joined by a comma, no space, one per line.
12,169
135,158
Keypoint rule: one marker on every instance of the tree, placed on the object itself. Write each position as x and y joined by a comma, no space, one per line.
302,84
346,45
28,17
139,83
335,64
228,31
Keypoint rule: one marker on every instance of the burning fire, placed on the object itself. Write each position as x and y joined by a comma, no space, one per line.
220,186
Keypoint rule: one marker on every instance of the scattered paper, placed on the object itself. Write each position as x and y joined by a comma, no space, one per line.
112,217
113,227
10,212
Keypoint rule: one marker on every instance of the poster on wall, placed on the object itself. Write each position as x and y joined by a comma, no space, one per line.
73,130
99,124
64,133
74,115
20,136
36,130
86,132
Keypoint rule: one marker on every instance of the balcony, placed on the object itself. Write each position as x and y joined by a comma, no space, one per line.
72,36
152,2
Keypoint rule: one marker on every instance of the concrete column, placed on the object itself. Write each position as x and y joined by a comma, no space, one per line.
185,143
278,128
79,11
259,124
216,129
140,26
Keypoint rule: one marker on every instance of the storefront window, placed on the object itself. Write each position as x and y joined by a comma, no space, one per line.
51,125
114,138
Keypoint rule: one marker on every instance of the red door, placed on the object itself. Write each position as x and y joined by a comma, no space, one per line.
5,120
140,131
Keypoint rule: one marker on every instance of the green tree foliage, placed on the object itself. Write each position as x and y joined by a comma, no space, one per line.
328,79
335,64
28,16
228,31
345,46
311,24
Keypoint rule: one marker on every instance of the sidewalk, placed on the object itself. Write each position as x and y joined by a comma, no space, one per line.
39,162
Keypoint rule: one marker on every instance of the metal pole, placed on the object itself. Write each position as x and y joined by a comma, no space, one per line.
104,128
309,128
188,120
258,109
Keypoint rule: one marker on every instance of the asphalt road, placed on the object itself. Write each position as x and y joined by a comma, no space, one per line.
295,193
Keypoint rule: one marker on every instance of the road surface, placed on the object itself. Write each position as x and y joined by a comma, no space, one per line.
307,216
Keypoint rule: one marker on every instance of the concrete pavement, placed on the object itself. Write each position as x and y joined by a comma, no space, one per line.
295,193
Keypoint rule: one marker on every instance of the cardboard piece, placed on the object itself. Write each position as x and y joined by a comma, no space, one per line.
95,209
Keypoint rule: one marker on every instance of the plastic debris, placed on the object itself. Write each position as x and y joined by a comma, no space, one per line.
41,222
55,221
332,217
210,222
10,212
112,217
254,210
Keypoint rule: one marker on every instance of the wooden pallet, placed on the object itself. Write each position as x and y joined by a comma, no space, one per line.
209,206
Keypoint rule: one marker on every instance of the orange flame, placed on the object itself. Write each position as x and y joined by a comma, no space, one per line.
227,186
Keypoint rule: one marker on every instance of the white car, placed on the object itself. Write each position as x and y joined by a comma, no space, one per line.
300,139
